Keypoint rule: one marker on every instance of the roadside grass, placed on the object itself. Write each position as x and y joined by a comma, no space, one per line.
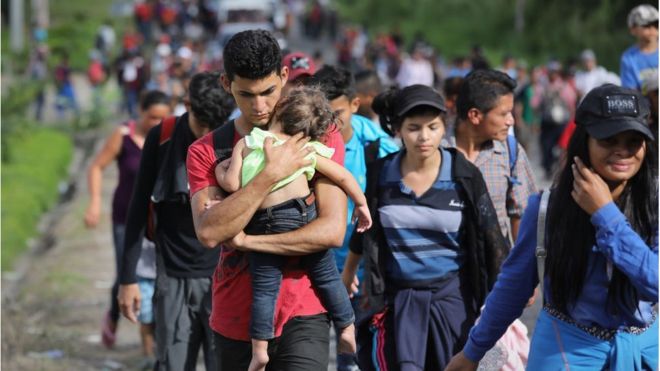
39,158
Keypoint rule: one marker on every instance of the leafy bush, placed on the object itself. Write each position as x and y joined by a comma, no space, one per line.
559,28
30,184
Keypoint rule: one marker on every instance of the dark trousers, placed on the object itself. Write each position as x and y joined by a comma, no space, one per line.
550,134
303,346
118,232
182,307
266,269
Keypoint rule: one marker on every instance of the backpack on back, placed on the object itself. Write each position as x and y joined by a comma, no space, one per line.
554,109
166,129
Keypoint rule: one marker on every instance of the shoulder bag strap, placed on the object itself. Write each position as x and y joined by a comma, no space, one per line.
541,253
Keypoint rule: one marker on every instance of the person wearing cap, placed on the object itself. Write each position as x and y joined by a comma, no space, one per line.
555,101
301,68
640,59
592,75
600,271
435,247
416,68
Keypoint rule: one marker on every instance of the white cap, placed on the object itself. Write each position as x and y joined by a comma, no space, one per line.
642,15
163,50
184,52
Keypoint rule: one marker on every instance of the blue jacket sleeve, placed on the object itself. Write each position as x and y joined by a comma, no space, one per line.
514,286
626,250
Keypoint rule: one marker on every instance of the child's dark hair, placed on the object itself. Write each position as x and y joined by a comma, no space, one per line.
385,106
152,98
305,109
252,54
481,89
335,82
209,102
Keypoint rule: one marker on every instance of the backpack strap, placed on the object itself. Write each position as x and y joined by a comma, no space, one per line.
223,140
371,151
166,129
512,146
541,252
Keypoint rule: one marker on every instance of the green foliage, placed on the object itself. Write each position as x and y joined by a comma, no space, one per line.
30,184
559,28
15,104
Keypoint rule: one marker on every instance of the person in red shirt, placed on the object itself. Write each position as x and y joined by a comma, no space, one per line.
255,76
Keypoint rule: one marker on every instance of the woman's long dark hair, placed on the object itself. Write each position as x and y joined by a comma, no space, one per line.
571,235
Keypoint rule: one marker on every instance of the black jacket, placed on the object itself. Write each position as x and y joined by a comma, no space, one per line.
162,183
481,238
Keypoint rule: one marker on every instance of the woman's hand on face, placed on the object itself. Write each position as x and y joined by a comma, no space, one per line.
461,363
590,191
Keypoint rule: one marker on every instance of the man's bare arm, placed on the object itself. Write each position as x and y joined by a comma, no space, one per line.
224,220
326,231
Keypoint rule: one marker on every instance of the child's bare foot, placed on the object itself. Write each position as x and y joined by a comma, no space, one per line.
259,355
346,344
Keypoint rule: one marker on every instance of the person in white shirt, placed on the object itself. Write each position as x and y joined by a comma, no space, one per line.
593,75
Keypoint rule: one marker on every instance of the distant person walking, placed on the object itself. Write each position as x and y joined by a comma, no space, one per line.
125,147
641,59
66,95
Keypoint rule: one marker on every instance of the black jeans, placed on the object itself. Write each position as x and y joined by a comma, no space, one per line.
550,134
303,346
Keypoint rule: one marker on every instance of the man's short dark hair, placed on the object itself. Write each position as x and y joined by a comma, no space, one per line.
481,89
209,102
252,54
334,82
368,82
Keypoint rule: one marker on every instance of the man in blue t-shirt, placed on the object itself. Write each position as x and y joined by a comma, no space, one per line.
641,59
363,139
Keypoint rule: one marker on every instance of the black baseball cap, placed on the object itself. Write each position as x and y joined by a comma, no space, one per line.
609,110
418,95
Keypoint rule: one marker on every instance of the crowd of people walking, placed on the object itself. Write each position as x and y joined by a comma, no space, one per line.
266,195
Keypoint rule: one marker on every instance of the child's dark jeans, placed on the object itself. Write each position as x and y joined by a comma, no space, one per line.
266,269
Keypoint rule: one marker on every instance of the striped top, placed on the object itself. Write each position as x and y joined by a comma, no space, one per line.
422,232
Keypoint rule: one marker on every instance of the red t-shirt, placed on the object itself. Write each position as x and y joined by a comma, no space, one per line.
232,286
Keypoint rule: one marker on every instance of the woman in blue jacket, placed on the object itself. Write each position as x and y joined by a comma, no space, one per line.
600,277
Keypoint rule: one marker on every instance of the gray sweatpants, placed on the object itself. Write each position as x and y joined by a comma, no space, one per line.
182,307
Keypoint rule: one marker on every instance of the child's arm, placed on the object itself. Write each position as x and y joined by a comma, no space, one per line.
348,274
343,178
228,174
